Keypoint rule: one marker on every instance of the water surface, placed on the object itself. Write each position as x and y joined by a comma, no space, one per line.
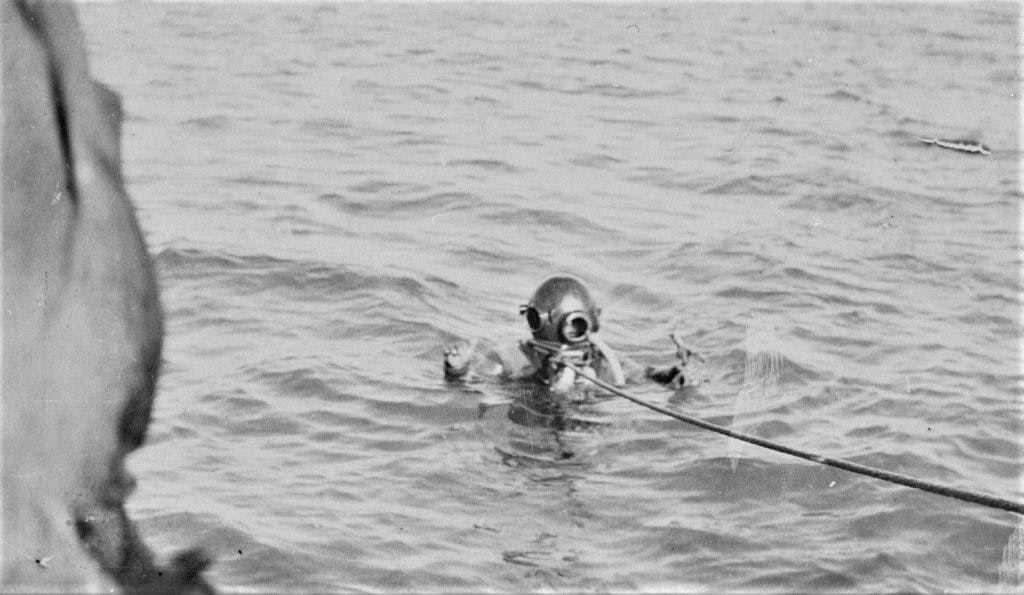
332,192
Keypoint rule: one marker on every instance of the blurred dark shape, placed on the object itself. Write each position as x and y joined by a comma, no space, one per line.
82,325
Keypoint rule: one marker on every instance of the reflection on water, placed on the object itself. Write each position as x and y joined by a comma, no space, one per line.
1011,571
551,555
546,439
762,370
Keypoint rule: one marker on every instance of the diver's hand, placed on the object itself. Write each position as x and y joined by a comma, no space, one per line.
671,377
683,352
675,377
456,359
614,365
562,381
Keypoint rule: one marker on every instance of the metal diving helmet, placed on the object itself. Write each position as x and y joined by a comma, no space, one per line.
561,311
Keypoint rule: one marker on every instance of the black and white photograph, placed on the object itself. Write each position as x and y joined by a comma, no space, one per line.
511,297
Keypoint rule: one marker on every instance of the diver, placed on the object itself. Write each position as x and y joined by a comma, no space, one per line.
564,323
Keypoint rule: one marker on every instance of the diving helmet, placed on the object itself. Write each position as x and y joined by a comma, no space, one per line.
561,311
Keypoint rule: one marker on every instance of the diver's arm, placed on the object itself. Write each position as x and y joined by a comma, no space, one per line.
465,361
636,373
674,376
618,376
620,370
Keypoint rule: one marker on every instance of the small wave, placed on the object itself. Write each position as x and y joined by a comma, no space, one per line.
631,122
993,320
989,448
844,95
684,250
855,316
235,402
954,35
622,91
302,382
466,58
207,123
595,161
1007,300
493,165
313,281
336,419
832,202
609,90
641,297
264,182
270,424
418,206
494,259
317,282
158,434
386,187
666,179
423,140
327,127
752,184
813,579
757,295
189,262
741,254
845,342
1006,282
669,60
545,218
756,480
677,541
909,262
819,280
838,147
486,99
533,86
418,91
592,62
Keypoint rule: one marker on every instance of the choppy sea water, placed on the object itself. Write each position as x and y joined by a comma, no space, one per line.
332,192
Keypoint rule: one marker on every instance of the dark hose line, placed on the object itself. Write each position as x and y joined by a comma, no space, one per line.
927,486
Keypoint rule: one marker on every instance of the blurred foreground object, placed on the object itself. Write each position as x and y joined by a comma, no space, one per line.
82,325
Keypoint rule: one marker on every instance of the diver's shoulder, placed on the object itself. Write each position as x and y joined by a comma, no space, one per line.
515,359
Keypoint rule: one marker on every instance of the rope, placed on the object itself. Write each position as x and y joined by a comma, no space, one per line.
927,486
563,352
